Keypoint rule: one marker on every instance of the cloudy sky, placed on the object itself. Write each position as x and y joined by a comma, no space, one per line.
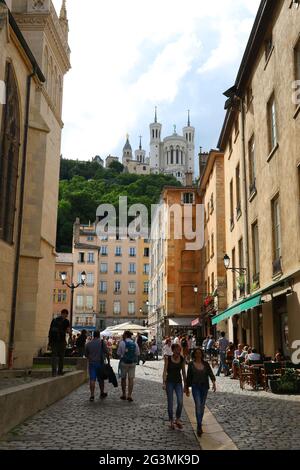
129,56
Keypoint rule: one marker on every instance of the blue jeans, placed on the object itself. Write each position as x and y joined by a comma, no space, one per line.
223,364
178,389
199,394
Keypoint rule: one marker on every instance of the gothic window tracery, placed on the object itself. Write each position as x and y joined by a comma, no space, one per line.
9,156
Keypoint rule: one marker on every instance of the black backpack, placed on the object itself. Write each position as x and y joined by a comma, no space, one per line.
57,331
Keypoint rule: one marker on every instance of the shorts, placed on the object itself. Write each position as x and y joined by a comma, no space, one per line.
127,369
95,369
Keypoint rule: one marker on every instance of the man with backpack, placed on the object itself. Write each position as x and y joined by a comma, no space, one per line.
128,351
59,327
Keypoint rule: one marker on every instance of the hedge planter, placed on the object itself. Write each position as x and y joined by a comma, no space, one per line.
287,388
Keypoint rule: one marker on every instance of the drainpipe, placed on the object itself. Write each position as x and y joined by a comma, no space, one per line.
246,218
19,231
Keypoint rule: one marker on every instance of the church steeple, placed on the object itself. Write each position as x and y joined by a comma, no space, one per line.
63,19
127,151
189,119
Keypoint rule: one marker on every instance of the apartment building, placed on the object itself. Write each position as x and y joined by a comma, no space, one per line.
213,295
175,270
261,140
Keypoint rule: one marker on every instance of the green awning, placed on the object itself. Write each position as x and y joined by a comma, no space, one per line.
243,306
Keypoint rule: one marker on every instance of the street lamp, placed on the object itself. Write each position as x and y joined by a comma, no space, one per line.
72,286
236,270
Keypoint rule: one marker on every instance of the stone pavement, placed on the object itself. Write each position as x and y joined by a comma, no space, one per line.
251,420
256,419
110,424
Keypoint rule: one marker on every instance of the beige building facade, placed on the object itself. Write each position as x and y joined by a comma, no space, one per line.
261,141
34,59
117,285
175,269
213,295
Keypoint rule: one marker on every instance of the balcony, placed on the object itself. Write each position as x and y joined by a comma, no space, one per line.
277,267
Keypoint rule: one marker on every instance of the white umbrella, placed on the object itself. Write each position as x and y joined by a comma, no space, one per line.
106,333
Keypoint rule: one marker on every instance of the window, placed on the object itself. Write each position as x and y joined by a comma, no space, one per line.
252,171
104,251
212,203
146,252
208,251
132,268
238,191
91,258
89,302
102,306
276,235
255,243
236,127
60,296
9,156
132,287
117,308
230,145
103,268
81,258
117,288
249,96
118,251
118,268
132,251
90,238
212,245
90,279
268,46
131,308
231,206
79,301
212,282
233,275
241,253
146,269
146,287
272,123
188,198
103,287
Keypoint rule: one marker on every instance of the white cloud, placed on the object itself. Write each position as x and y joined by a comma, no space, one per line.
115,79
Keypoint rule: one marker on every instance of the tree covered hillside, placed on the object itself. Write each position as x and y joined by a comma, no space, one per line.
85,185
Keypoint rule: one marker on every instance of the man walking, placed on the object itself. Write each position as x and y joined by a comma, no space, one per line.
96,351
223,345
59,327
128,351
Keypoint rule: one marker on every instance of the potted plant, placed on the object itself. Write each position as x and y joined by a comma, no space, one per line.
288,383
241,283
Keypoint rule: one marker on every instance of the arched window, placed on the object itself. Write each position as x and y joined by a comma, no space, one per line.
153,133
50,78
9,156
177,156
172,156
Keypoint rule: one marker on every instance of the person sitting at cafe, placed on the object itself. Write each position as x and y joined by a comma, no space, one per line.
239,353
253,355
279,357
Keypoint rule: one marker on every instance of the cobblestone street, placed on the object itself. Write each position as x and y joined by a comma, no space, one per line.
253,420
110,424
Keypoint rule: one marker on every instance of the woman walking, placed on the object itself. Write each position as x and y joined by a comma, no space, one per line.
174,374
199,372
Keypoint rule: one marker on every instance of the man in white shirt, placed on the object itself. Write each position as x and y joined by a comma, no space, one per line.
253,356
167,349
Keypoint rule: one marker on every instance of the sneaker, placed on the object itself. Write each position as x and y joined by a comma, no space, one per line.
178,424
129,399
92,398
103,395
172,425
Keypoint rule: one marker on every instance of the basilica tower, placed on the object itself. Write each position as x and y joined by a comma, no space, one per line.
155,142
189,135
